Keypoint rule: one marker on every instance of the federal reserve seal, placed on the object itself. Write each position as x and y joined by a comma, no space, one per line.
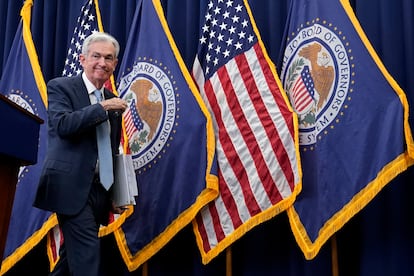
317,76
149,90
23,101
26,102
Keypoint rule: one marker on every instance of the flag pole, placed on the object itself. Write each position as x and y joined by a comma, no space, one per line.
334,256
145,269
229,266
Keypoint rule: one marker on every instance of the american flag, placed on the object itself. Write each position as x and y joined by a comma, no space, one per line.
133,122
303,92
87,23
259,169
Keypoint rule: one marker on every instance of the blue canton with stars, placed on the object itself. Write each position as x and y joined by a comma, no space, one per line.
308,81
87,23
227,32
135,116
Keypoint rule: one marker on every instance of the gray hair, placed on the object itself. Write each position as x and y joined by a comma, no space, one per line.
99,37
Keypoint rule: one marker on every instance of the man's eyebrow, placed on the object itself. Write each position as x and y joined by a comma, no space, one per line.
97,53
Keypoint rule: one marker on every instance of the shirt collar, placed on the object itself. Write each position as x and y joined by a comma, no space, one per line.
89,86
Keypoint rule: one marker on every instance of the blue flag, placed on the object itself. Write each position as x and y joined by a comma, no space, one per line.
173,149
23,83
354,137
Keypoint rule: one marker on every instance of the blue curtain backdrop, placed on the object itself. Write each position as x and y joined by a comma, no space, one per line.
377,241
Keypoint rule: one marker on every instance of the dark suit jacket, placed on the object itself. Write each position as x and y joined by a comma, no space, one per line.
70,162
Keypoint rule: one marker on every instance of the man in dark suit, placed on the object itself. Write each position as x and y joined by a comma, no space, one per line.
69,183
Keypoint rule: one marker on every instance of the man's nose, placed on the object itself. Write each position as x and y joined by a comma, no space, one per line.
102,60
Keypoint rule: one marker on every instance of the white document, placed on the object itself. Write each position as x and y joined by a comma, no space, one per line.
125,187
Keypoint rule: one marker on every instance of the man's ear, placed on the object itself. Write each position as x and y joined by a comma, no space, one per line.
81,59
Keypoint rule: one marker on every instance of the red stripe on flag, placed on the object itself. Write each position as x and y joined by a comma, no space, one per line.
268,126
273,134
53,247
301,97
203,233
129,124
255,128
218,230
228,147
274,88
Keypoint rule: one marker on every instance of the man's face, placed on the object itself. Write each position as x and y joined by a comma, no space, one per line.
99,63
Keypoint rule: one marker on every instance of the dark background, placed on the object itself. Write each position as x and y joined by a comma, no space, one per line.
377,241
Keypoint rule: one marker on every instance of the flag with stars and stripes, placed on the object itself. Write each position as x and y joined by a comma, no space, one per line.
133,122
302,92
86,24
256,130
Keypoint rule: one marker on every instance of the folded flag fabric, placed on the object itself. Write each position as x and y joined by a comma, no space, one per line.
256,129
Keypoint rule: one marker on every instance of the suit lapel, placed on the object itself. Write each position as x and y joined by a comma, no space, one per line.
80,91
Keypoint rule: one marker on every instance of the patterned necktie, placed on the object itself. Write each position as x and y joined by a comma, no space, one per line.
104,150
